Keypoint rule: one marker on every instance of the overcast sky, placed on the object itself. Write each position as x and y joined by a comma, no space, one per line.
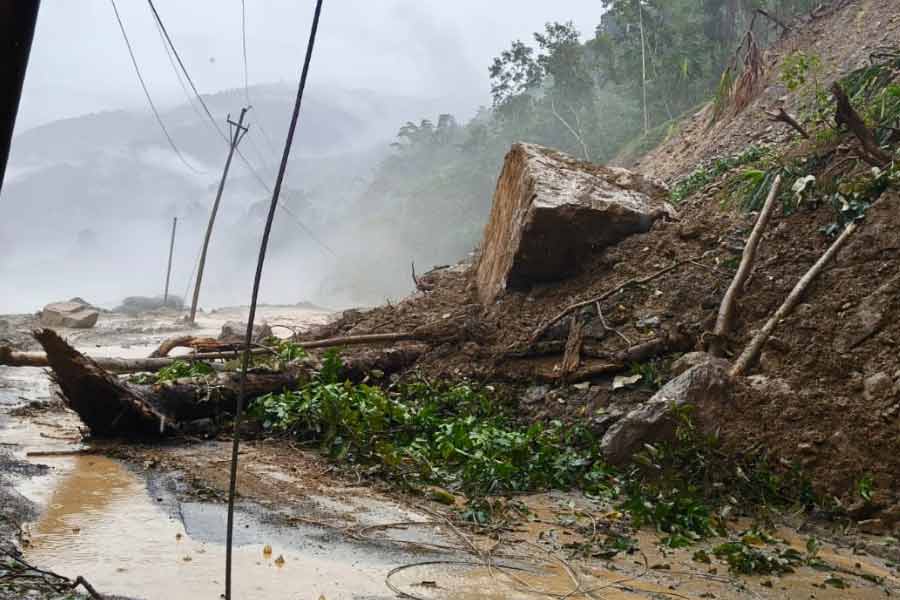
426,48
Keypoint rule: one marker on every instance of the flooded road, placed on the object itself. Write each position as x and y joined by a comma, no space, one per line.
151,524
101,522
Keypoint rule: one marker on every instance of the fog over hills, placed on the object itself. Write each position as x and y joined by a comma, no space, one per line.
89,201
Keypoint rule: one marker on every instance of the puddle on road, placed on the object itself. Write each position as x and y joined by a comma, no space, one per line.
100,522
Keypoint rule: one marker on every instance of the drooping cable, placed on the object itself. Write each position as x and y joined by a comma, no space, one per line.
187,94
224,137
259,125
248,337
140,77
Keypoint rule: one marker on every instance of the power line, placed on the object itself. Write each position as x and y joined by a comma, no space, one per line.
184,89
212,119
259,125
248,337
147,92
244,44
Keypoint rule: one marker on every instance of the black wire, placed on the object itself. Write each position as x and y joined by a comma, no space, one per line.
248,338
259,125
184,89
244,45
212,119
240,154
137,70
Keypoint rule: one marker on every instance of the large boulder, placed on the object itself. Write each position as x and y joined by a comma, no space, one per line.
233,332
550,210
76,314
653,421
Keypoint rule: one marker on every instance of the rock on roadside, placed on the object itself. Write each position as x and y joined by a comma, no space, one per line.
73,314
550,210
651,422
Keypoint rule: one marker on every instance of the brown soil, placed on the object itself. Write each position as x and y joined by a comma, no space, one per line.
843,41
821,418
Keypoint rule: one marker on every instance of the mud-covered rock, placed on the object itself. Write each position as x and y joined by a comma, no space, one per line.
878,386
652,421
690,360
235,331
550,210
75,315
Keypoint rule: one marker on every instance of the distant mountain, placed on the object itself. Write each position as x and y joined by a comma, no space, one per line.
107,185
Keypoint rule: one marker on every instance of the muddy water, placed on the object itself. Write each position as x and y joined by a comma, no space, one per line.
100,522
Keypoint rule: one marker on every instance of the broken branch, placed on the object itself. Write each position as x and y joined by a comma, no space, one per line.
725,318
774,19
572,355
635,281
783,116
751,353
847,115
11,358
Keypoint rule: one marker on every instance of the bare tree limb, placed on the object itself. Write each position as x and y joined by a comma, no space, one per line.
847,115
783,116
572,357
774,19
751,353
11,358
575,134
636,281
725,319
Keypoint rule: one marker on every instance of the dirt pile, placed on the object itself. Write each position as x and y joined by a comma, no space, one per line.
826,392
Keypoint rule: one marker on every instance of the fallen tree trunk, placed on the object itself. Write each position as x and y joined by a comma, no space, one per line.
11,358
111,407
106,405
206,344
616,362
751,353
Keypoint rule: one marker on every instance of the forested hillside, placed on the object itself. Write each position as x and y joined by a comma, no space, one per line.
617,89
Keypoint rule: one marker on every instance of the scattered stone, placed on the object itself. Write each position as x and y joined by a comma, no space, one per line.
769,386
877,386
700,386
76,315
535,394
690,360
234,332
648,323
550,210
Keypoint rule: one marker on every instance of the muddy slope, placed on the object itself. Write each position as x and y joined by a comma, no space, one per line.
826,395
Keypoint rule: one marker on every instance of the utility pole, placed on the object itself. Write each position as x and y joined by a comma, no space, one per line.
17,22
237,134
169,268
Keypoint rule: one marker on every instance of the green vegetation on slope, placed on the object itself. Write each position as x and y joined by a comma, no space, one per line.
582,96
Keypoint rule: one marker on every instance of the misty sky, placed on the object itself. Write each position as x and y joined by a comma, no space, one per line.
424,48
